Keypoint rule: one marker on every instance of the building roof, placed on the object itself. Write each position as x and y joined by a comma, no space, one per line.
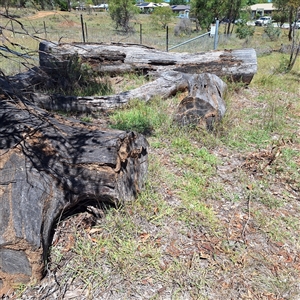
180,7
151,4
262,6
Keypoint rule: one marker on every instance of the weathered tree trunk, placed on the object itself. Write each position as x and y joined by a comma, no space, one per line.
204,105
49,164
168,84
238,65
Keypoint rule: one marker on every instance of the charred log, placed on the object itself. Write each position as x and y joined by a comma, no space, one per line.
49,164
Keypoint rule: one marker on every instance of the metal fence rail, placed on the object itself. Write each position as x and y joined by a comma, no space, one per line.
214,31
188,41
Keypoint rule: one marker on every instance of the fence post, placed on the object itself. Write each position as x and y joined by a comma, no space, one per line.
12,28
45,30
141,34
86,32
216,35
167,38
82,28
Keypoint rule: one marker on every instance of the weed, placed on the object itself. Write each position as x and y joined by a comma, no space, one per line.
138,116
182,145
283,65
20,289
76,78
244,31
87,119
272,32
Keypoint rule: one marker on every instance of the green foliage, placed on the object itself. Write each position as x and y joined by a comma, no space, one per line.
178,2
280,17
138,116
162,16
272,32
244,31
62,4
121,12
87,119
78,79
206,11
6,4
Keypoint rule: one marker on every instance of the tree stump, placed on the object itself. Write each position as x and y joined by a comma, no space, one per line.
204,104
49,164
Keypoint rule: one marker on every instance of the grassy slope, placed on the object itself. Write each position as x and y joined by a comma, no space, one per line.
219,217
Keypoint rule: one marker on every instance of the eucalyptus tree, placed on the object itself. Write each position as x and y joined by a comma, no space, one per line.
6,4
233,12
121,12
207,11
162,16
291,7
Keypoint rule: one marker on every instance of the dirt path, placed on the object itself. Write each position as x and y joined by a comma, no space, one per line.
41,14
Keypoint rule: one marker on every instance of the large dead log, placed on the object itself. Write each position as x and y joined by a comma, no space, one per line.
203,104
48,165
168,84
113,58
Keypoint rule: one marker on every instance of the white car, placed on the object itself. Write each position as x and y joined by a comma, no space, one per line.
263,21
297,24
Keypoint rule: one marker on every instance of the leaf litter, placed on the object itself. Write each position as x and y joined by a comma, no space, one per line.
252,253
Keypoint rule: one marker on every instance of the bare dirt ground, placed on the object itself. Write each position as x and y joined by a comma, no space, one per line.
42,14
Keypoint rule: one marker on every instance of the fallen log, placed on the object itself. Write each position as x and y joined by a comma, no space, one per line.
116,58
168,84
204,105
204,102
48,165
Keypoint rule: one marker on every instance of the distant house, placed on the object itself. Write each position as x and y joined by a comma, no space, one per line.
262,9
100,7
148,7
180,8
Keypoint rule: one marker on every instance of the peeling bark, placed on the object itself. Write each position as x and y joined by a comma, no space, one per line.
113,58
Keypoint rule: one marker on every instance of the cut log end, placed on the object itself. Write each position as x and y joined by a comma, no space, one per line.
49,165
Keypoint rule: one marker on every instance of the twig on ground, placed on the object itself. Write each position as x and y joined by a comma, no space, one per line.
245,225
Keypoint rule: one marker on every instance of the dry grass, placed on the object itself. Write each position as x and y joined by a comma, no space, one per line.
219,217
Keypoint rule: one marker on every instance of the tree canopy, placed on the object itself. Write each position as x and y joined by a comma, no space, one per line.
162,16
208,11
121,12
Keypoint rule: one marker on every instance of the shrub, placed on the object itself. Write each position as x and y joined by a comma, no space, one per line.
272,32
76,78
162,16
244,31
183,27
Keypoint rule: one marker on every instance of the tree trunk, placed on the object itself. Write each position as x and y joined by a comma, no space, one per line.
204,104
167,84
237,65
48,165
